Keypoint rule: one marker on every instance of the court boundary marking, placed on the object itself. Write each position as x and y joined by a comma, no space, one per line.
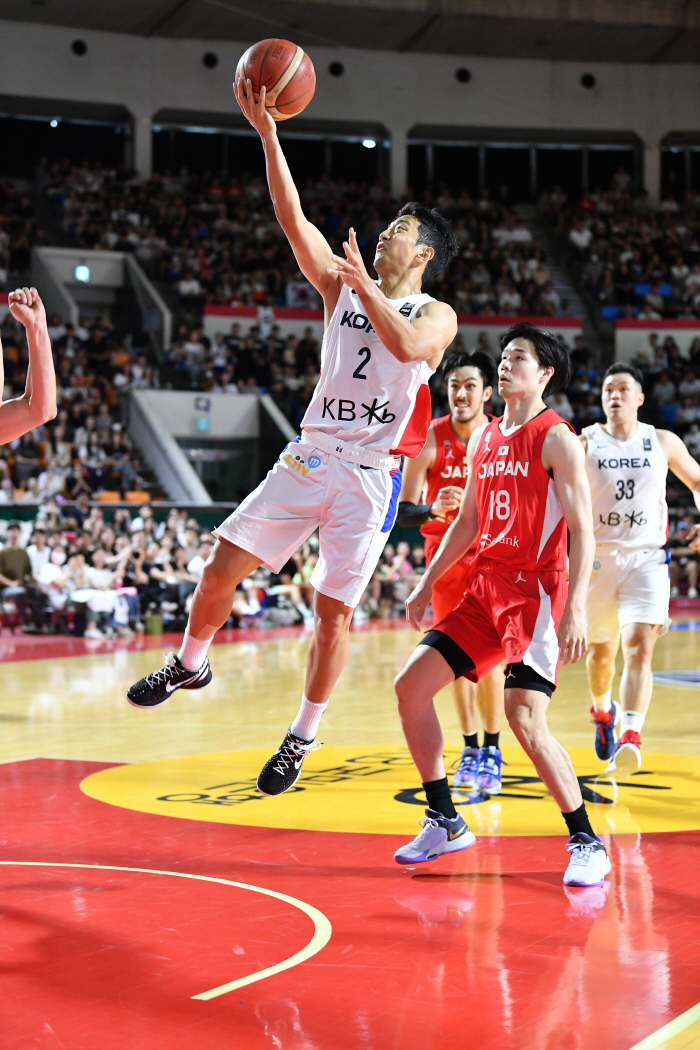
674,1027
322,926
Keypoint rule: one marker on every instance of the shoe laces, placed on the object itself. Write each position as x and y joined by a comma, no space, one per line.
165,674
581,852
426,825
290,750
491,764
467,760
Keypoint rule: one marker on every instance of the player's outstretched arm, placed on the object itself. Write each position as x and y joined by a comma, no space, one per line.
456,542
38,403
311,249
563,456
685,468
424,339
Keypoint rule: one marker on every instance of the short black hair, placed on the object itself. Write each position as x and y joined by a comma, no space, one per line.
477,359
549,350
621,367
435,231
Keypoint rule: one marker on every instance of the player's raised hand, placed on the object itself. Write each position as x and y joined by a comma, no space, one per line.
351,270
417,604
448,500
26,307
572,636
255,112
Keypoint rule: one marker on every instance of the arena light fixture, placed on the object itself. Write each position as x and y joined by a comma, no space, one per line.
53,123
369,143
82,273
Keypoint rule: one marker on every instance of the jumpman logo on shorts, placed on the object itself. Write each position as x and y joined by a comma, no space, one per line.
519,577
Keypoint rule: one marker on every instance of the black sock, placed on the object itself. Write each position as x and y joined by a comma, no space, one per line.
471,739
491,739
437,792
578,820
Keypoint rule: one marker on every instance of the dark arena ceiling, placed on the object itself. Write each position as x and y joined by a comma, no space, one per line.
577,30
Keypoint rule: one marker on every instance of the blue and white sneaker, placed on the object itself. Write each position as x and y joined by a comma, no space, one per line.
488,777
437,835
589,863
466,771
605,735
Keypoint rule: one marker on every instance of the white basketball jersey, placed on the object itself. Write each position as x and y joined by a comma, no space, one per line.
365,396
628,486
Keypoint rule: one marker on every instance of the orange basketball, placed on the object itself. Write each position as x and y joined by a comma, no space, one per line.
287,73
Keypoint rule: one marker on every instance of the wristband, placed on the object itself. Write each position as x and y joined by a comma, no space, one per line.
414,514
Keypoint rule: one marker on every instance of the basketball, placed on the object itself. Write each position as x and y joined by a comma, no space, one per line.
287,73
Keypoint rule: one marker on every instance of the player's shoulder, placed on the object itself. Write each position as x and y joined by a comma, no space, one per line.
436,309
561,442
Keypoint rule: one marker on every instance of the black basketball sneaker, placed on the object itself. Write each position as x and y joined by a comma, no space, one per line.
158,686
281,772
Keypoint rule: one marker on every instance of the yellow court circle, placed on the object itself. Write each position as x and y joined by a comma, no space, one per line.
377,789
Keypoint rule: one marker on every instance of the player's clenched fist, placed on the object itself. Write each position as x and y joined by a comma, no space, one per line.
448,500
26,307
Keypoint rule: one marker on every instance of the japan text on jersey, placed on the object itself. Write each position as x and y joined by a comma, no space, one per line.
521,523
628,488
365,396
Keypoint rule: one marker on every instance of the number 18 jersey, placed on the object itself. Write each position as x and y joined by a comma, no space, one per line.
365,396
521,523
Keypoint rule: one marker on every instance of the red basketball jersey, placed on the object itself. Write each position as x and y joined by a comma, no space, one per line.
521,523
449,468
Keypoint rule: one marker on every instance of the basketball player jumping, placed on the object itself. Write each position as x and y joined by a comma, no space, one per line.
627,463
526,483
383,341
441,470
38,402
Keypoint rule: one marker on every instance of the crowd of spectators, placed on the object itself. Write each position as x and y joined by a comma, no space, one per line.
634,259
74,569
214,238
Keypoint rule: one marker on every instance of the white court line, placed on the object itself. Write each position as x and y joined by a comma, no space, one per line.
678,1024
322,927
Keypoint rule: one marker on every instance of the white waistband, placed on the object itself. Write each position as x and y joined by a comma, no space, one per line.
335,446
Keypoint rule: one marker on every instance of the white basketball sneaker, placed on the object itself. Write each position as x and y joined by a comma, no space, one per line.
628,756
589,863
437,835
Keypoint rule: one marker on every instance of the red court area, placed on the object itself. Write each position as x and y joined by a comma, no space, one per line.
485,946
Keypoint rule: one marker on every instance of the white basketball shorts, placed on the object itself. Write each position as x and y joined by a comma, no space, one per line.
627,588
353,507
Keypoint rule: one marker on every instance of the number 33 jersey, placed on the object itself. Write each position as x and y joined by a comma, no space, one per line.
628,486
365,396
521,523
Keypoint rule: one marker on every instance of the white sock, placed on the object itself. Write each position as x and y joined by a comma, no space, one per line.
193,651
631,720
306,723
603,702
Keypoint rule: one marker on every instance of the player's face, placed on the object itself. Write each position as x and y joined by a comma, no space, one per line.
621,397
397,250
520,371
466,393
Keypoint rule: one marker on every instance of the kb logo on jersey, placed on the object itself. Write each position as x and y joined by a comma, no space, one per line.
345,411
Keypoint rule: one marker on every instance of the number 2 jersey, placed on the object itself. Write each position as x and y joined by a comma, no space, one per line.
365,396
628,487
521,523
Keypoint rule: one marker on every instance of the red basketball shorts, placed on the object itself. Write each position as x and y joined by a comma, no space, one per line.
512,616
452,585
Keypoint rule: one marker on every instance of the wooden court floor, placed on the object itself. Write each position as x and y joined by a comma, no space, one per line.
151,898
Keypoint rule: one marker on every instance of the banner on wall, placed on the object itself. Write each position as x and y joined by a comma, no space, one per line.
294,322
